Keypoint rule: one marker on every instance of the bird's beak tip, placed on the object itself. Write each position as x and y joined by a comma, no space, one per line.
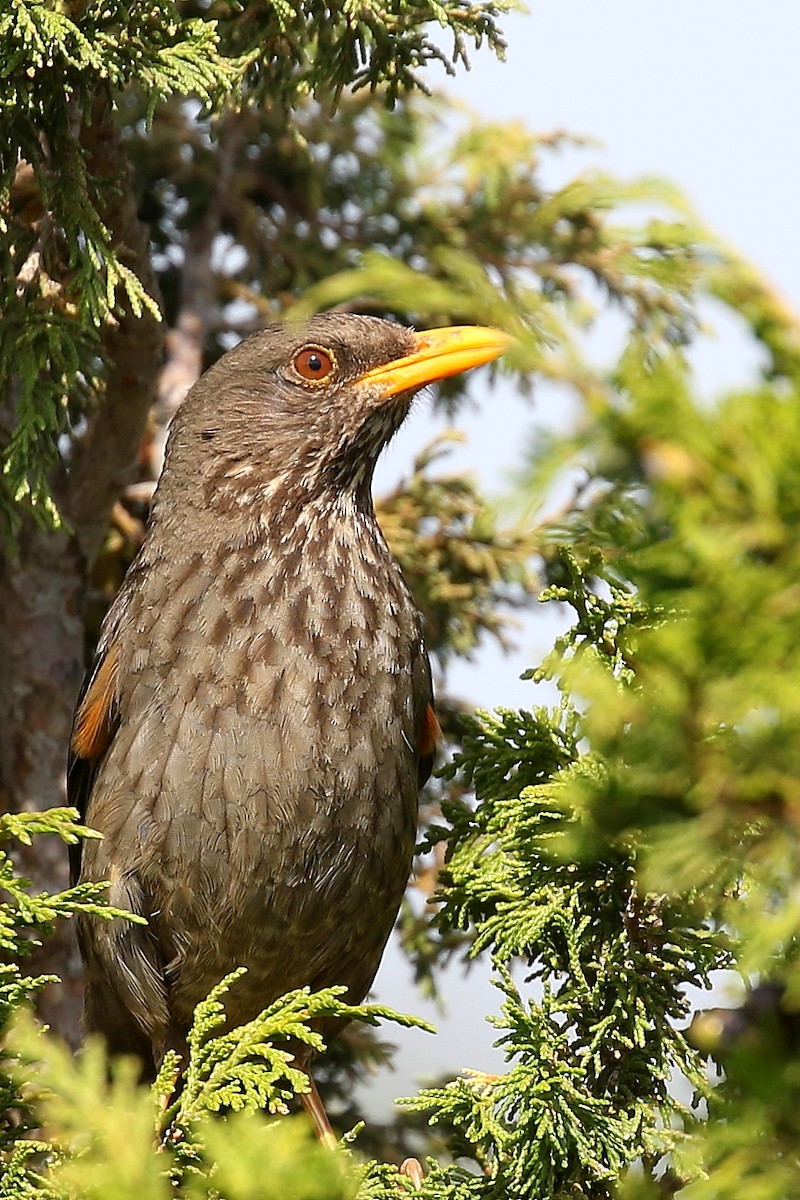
438,354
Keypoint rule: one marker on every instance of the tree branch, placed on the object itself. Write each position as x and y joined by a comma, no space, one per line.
134,348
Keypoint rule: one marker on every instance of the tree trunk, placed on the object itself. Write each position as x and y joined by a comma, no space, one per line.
41,596
43,584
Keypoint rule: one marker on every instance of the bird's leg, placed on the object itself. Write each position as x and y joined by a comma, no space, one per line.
412,1169
312,1103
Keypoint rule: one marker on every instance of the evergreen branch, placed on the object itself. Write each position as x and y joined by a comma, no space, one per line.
243,1068
132,343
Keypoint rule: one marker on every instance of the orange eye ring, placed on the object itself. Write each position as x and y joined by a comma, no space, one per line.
313,364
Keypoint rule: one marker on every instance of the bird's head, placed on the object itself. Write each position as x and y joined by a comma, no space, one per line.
298,413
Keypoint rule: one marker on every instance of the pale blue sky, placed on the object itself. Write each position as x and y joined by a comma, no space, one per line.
701,92
704,92
707,94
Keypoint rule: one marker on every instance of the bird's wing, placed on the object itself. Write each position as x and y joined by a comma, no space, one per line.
430,735
429,732
93,728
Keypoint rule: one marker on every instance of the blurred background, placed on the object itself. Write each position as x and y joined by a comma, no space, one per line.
716,113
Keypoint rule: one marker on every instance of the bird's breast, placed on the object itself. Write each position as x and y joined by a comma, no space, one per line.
269,718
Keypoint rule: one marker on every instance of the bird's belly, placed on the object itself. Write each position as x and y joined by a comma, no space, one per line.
259,798
287,855
295,910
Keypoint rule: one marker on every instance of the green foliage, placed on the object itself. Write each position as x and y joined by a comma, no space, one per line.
24,920
66,270
242,1068
458,563
702,765
609,854
667,846
593,1047
179,1135
85,1104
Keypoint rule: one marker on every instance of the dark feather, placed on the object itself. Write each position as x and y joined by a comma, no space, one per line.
94,725
430,735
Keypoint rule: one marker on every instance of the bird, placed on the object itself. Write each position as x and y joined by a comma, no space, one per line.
257,722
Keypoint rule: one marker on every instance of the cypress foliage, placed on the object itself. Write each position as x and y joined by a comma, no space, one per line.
609,854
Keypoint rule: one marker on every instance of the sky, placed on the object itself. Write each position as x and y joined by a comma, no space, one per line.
705,93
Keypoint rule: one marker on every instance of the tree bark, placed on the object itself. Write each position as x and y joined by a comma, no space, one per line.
41,596
43,583
105,457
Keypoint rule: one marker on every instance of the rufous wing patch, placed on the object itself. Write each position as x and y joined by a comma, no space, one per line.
430,734
96,717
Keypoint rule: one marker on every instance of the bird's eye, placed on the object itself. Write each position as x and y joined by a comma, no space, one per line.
313,363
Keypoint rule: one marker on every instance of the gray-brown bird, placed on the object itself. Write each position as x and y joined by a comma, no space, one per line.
253,733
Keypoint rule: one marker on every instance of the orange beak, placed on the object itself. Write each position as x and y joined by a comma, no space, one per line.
438,353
